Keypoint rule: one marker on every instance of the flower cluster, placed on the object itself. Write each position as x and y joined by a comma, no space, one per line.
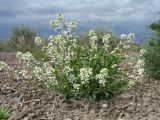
38,41
137,71
140,66
3,66
26,58
102,77
85,75
67,70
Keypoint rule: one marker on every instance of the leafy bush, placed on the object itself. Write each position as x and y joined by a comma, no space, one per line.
91,71
152,54
22,38
4,113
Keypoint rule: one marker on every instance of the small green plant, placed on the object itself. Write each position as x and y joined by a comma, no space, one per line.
152,54
152,58
97,69
5,113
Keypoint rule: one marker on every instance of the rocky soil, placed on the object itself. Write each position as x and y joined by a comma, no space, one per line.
29,101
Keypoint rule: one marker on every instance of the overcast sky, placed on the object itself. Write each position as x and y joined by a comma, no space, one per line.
124,16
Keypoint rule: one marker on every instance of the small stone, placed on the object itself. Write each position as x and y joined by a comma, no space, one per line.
67,119
92,111
126,96
26,118
105,105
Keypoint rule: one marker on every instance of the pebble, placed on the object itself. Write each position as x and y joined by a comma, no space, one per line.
104,105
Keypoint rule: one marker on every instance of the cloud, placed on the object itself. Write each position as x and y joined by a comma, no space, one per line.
127,14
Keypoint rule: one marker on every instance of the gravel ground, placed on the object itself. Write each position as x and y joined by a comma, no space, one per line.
30,102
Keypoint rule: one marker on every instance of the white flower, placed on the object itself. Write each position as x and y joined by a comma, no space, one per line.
67,58
59,16
131,36
19,54
72,24
50,81
53,22
140,62
3,66
125,40
140,71
26,56
131,83
76,86
94,38
92,33
102,82
123,36
115,50
38,72
102,77
51,38
114,65
38,41
104,72
71,78
67,70
142,51
85,74
48,69
106,38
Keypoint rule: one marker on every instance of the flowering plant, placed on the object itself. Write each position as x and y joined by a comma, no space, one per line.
92,71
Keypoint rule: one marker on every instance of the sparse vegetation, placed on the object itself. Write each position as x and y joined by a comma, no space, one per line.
22,38
5,113
152,55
